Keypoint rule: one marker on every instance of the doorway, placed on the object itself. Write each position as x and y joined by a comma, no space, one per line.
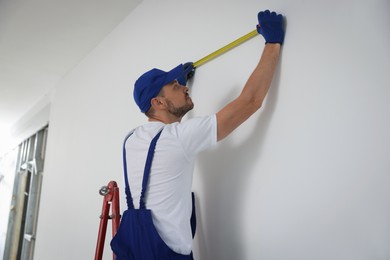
23,216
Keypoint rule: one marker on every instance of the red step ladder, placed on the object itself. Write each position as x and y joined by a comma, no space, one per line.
111,197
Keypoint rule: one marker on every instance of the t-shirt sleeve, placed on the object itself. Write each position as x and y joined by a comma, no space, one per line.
197,134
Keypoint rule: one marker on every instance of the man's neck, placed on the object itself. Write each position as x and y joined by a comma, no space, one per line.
164,119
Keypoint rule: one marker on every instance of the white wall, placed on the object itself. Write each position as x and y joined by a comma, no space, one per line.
305,178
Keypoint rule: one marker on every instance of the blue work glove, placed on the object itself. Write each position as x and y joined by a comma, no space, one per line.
271,26
189,71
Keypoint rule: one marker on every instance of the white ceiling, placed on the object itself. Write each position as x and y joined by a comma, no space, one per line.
42,40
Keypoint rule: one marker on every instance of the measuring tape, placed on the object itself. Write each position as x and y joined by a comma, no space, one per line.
226,48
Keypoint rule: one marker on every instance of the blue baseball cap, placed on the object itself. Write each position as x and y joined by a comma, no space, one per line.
150,83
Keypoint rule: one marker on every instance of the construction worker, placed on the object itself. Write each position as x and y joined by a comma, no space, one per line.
159,156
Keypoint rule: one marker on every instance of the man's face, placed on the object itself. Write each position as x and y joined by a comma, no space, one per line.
177,98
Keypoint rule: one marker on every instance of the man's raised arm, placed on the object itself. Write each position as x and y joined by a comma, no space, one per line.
256,88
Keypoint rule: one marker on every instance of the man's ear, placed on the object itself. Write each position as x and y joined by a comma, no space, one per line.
157,103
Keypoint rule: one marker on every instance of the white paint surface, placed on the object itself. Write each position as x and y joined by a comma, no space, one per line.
305,178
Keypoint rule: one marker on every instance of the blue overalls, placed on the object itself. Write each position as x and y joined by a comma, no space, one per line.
137,238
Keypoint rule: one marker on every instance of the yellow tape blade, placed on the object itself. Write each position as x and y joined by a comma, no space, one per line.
225,48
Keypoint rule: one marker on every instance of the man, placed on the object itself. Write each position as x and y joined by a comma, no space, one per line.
166,190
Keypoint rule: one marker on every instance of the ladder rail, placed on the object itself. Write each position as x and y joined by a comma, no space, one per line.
111,199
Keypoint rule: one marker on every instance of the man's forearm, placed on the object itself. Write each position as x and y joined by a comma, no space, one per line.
251,98
260,80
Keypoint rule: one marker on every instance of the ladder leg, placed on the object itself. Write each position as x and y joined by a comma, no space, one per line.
102,229
115,216
115,211
111,197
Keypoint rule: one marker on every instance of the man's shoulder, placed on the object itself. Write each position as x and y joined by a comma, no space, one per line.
192,124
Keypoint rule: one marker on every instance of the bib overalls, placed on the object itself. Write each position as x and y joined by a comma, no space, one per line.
137,237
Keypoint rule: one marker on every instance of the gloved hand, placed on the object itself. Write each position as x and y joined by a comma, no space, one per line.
189,71
271,26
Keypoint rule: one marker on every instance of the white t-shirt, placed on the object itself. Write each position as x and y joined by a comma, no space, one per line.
168,195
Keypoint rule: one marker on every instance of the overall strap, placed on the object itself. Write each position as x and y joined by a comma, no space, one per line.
148,165
129,198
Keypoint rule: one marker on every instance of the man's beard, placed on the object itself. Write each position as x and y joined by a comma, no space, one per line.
179,111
